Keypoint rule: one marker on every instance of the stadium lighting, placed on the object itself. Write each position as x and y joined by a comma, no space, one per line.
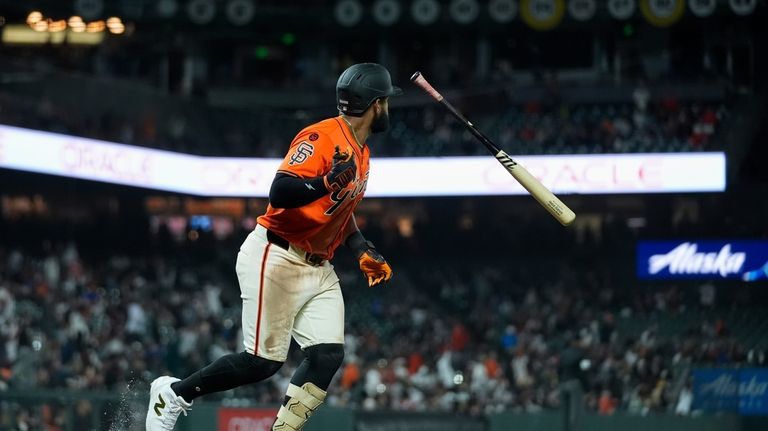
288,39
628,30
40,26
118,29
261,52
57,26
76,24
115,25
34,17
95,27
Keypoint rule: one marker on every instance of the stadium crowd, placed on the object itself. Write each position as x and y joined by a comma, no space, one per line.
542,127
467,340
533,127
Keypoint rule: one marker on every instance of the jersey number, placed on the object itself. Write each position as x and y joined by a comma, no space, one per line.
302,153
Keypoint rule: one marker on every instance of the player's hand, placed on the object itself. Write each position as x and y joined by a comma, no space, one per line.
342,172
375,268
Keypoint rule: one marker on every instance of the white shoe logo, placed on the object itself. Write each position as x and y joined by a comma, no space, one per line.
159,405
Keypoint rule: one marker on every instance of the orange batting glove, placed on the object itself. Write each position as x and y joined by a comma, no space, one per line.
374,266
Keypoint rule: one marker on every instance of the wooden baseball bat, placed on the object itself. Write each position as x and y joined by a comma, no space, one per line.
546,198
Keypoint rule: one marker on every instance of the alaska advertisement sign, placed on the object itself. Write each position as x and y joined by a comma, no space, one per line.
703,260
743,391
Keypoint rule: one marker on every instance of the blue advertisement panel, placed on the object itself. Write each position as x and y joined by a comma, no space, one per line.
743,391
716,390
703,260
753,392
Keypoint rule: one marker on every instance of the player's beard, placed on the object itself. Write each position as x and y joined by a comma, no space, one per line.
380,123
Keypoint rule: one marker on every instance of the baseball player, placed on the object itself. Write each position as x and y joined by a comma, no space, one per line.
289,287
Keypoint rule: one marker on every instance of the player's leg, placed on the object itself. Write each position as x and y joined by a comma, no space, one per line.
267,318
319,330
309,385
227,372
170,396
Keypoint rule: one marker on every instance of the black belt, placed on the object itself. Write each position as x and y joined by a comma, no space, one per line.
311,258
277,240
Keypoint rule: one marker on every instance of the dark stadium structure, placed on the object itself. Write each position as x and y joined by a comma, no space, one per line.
496,318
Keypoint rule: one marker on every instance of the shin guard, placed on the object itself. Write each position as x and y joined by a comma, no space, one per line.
302,403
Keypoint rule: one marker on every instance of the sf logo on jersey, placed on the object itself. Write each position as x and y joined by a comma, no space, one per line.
302,153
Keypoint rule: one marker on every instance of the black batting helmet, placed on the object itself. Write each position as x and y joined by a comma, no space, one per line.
360,85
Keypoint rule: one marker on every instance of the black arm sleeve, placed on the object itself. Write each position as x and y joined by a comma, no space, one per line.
292,192
357,243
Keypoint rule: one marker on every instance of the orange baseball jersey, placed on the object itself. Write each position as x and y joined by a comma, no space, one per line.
318,227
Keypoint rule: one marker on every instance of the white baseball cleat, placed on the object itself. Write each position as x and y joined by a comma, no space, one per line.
164,405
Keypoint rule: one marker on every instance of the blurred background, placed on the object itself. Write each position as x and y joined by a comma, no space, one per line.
648,117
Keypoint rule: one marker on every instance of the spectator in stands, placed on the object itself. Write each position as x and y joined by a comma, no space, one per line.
72,322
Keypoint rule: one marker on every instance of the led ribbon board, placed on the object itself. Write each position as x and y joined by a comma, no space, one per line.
75,157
